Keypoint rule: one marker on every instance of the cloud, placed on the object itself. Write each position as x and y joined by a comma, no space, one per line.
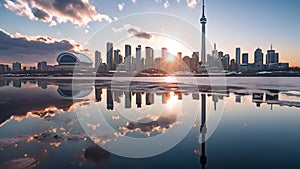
121,6
133,31
166,4
134,1
27,48
78,12
149,124
191,3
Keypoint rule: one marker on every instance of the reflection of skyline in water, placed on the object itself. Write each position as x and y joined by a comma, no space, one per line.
50,106
64,89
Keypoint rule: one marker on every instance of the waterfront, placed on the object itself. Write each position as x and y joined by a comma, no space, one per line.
46,123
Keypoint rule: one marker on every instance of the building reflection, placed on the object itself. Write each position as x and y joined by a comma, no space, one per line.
196,96
98,94
165,97
258,98
42,84
149,98
17,83
127,99
4,82
272,97
117,95
138,97
109,99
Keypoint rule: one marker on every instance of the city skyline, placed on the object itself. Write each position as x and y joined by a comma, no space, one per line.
239,33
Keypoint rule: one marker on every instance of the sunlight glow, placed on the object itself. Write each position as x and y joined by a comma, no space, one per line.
170,79
171,58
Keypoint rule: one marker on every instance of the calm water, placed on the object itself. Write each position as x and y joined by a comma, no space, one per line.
243,123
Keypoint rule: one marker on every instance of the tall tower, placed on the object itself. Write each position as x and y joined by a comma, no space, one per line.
203,21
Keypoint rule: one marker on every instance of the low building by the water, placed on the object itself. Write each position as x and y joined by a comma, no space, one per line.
67,61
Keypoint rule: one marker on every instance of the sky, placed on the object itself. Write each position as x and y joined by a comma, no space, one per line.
36,30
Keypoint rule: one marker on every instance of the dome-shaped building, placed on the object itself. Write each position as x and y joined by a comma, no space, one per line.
69,60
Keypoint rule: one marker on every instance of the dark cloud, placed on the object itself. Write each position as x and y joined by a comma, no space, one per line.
32,49
139,34
79,12
40,14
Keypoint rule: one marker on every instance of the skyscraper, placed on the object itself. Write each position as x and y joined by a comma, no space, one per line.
225,61
138,51
42,66
195,61
164,53
203,21
16,67
272,56
109,56
258,56
116,58
245,58
97,59
238,59
149,57
127,59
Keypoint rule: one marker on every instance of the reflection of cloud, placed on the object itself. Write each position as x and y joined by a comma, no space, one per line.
133,31
5,142
96,155
93,126
148,125
79,12
30,102
22,47
20,163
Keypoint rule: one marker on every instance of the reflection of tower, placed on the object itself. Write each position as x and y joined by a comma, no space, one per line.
138,99
203,21
149,98
109,99
203,130
98,93
127,99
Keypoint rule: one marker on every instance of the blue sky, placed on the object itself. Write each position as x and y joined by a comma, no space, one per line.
231,23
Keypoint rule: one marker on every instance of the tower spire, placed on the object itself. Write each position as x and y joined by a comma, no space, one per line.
203,9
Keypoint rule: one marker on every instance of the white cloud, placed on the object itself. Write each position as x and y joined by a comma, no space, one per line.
78,12
121,6
134,1
191,3
166,4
